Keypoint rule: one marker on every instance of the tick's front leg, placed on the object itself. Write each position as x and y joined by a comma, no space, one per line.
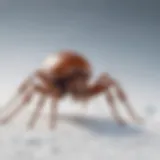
20,92
53,113
25,100
37,112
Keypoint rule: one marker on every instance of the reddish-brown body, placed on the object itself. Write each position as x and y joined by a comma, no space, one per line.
68,62
68,72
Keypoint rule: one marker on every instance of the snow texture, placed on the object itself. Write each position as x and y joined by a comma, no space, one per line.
80,136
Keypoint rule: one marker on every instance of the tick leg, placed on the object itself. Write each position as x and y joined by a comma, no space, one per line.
25,100
123,98
114,111
9,104
22,89
46,79
53,113
37,111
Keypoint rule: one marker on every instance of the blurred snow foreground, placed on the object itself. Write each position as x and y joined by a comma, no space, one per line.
80,135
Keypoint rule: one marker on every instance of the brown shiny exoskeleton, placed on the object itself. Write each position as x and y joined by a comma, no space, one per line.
67,73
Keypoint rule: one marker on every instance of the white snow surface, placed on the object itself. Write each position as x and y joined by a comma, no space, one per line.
82,134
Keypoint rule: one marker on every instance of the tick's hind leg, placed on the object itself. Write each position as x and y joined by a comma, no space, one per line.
111,102
102,85
123,98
